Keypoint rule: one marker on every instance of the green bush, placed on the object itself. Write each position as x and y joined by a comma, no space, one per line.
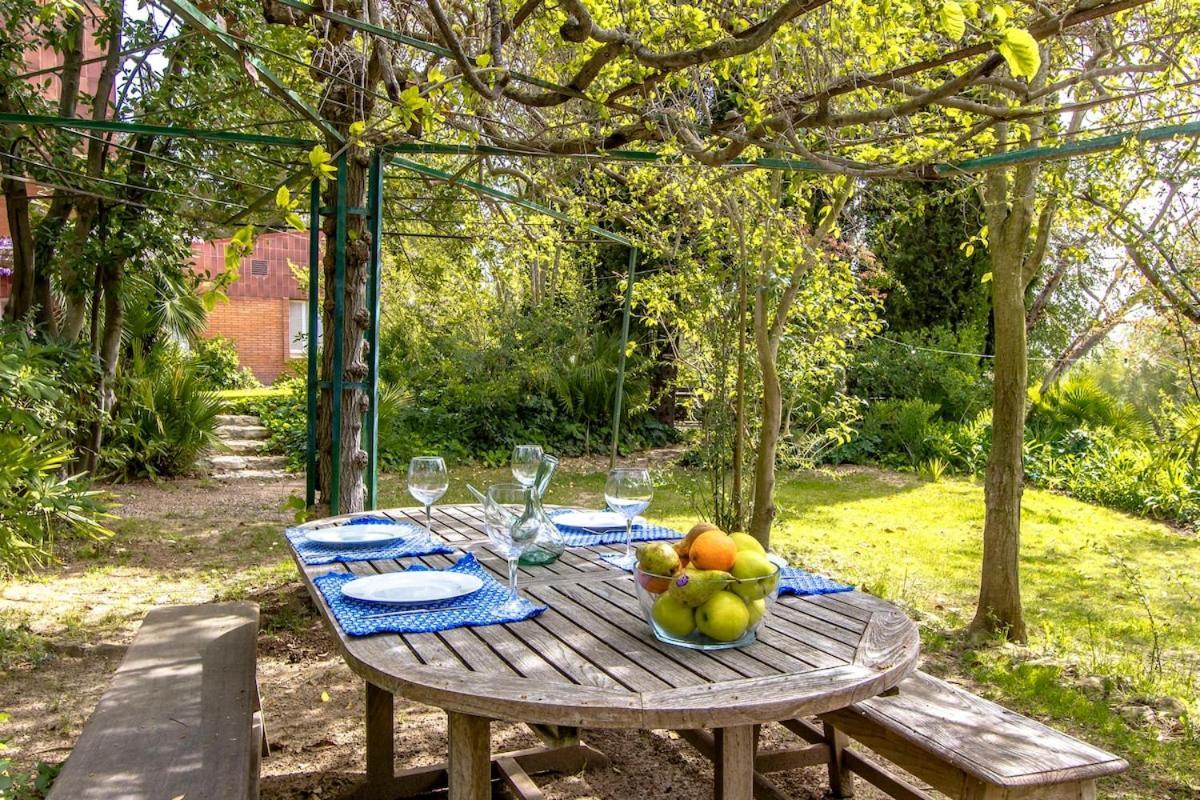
215,362
245,401
283,412
38,499
164,417
957,384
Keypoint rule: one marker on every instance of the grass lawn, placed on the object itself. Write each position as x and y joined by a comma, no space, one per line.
1113,602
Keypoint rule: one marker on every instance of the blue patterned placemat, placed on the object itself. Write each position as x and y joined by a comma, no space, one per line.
481,607
313,553
642,532
793,580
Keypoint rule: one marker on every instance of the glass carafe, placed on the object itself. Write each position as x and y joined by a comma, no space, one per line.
549,543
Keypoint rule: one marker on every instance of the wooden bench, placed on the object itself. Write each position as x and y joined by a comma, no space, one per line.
181,717
962,745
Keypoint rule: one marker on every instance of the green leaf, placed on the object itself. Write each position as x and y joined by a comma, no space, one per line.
954,21
987,278
483,59
283,197
1020,50
436,75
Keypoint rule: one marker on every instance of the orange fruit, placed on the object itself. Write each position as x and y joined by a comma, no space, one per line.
713,550
684,545
654,584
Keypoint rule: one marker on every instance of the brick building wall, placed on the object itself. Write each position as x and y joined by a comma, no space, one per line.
266,305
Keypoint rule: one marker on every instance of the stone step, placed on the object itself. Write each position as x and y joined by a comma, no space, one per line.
244,446
228,462
242,432
237,419
251,474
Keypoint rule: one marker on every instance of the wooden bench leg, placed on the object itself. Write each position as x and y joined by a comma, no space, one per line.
381,760
734,763
841,780
470,757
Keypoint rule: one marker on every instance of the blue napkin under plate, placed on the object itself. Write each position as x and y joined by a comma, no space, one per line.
481,607
314,553
583,537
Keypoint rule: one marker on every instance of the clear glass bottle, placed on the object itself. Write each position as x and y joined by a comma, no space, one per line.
549,543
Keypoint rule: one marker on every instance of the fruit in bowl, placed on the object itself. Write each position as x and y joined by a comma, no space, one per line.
710,590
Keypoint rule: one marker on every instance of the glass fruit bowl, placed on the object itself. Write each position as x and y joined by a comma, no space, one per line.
707,609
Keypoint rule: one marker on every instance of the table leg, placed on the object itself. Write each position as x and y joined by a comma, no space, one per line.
734,763
381,762
470,761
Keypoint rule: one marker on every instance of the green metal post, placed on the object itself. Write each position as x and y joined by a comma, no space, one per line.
339,330
314,274
616,420
375,226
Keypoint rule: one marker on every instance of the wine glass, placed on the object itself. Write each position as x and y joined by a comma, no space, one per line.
504,530
526,459
427,482
628,492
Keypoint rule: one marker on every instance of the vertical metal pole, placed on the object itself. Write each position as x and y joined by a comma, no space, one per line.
375,226
339,329
616,415
314,274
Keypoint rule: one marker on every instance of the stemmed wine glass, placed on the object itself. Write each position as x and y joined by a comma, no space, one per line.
628,492
504,530
526,459
427,482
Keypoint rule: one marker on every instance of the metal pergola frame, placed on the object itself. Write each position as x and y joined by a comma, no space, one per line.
395,155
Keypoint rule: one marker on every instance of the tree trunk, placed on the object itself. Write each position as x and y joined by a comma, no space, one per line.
739,405
768,436
355,317
999,605
16,201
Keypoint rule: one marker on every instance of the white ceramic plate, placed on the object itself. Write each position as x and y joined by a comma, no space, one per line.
411,588
359,535
594,520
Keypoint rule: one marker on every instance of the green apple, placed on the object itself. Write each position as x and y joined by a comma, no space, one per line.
756,608
755,575
673,617
744,541
723,617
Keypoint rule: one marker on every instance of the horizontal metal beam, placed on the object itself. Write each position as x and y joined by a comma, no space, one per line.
981,164
508,197
117,126
1083,147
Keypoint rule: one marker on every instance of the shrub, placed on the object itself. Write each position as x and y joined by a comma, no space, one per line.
957,384
38,499
216,365
283,411
164,417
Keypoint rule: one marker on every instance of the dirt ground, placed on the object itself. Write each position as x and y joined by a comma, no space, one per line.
191,541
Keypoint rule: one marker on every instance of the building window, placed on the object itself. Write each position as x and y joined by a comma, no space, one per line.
298,328
258,268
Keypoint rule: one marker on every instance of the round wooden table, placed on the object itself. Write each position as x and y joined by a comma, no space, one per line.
591,661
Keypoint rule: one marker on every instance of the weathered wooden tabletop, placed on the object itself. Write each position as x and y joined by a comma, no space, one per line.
590,660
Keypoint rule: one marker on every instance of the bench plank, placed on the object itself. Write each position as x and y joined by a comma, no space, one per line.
977,738
178,717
